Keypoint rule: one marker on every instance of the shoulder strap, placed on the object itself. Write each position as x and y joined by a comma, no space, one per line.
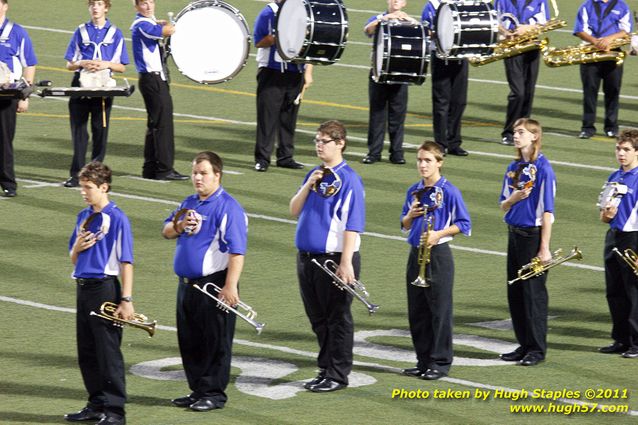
110,35
142,19
6,32
86,40
274,7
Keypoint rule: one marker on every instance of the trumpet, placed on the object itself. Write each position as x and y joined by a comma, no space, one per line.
630,258
107,312
424,255
357,289
536,266
248,316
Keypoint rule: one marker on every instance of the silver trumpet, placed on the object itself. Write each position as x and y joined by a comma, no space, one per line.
248,316
357,289
630,258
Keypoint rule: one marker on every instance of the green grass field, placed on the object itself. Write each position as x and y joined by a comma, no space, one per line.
40,380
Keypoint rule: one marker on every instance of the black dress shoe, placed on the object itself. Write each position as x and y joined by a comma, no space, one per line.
370,159
327,385
611,133
531,359
432,375
458,151
320,377
507,140
173,175
183,401
204,405
292,164
398,161
10,193
632,353
71,182
112,420
86,414
613,348
413,371
261,166
514,356
585,134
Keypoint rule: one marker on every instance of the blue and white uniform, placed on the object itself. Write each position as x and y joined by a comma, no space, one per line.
96,272
92,43
16,52
204,332
528,299
621,287
430,310
320,232
525,12
600,19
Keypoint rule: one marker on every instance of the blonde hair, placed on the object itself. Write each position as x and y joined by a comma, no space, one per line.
535,128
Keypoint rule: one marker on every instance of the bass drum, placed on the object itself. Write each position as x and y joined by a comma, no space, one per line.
401,52
211,42
311,31
465,29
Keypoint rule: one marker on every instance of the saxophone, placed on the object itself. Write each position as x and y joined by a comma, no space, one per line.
586,53
520,44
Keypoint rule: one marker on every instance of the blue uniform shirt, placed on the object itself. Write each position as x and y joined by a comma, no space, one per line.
451,211
16,49
626,219
106,43
115,247
529,211
146,34
372,19
609,22
323,221
223,232
428,15
536,12
268,56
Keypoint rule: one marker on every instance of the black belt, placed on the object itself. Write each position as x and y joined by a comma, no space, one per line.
305,254
93,281
215,277
524,230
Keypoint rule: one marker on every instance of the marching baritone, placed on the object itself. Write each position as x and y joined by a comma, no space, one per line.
211,243
620,281
521,70
387,101
17,60
434,204
101,248
96,48
330,207
527,198
600,22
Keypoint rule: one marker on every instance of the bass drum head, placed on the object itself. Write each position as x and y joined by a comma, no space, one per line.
444,28
211,42
377,54
291,28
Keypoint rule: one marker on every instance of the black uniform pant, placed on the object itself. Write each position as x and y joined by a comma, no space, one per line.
430,309
449,98
98,109
522,73
99,356
621,288
205,336
8,118
388,102
527,299
159,145
591,75
328,309
276,113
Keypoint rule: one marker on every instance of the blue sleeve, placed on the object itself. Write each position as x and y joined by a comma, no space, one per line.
125,249
29,58
428,15
549,188
461,215
580,24
548,15
149,30
406,205
124,59
372,19
356,219
73,46
263,24
236,233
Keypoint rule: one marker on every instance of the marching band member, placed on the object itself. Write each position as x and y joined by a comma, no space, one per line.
430,308
599,22
211,244
330,206
521,70
620,281
99,257
527,198
449,92
96,46
387,101
278,85
17,60
150,61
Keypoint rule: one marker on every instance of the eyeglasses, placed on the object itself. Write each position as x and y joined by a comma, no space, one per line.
317,141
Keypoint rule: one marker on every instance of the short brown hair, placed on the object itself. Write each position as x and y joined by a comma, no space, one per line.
629,135
432,147
535,128
107,3
214,159
96,172
335,130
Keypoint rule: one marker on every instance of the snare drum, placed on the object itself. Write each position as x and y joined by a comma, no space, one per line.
211,41
401,51
465,29
311,31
